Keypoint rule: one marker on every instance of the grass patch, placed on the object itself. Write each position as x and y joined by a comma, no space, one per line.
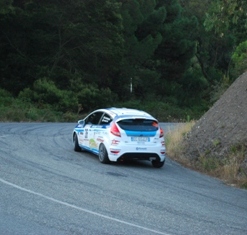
174,142
208,164
227,169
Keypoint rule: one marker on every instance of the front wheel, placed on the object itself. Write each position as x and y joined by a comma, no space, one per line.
77,148
103,155
157,163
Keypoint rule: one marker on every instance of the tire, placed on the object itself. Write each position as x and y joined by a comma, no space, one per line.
103,155
77,148
157,164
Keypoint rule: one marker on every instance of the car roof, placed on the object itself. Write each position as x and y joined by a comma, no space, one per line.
124,112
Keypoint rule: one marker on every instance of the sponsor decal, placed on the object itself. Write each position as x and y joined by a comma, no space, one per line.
140,149
92,143
97,132
100,140
95,128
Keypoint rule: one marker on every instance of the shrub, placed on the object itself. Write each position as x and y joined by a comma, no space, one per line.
90,97
239,59
5,98
46,94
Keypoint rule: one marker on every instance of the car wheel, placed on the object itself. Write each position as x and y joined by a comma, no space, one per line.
103,155
77,148
157,164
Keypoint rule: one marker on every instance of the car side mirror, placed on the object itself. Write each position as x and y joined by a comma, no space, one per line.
81,123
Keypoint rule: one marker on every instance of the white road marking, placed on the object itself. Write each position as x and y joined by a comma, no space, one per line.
80,208
3,136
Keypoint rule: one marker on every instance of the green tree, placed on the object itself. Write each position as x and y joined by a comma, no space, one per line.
5,6
174,54
159,44
227,21
142,21
140,41
60,41
224,14
217,35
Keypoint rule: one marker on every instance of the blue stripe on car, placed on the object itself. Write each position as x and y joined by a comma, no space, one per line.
92,150
140,133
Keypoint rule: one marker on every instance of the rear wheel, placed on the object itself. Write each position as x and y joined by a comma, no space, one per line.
103,155
77,148
157,163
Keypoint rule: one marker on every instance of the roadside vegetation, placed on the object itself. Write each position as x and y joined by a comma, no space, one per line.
21,109
227,169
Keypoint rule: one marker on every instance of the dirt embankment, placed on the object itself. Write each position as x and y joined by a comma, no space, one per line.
223,127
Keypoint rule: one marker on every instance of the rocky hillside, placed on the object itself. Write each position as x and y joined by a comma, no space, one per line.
224,127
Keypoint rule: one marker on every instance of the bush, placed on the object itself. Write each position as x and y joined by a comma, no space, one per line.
5,98
239,59
46,95
90,97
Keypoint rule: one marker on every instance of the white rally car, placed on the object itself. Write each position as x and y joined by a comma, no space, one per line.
116,134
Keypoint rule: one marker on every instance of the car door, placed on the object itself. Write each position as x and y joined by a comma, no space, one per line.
91,131
101,134
80,133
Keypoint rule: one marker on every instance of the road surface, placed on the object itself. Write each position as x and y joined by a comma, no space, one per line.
47,188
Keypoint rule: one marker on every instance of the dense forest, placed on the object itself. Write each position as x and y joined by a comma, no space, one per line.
73,55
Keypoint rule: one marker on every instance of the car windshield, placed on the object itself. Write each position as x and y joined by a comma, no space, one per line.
138,124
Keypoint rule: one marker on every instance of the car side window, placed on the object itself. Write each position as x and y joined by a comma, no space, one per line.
106,119
94,118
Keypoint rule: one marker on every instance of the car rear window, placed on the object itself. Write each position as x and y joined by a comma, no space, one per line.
138,124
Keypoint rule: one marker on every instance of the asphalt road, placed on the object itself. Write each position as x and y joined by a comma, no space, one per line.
47,188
